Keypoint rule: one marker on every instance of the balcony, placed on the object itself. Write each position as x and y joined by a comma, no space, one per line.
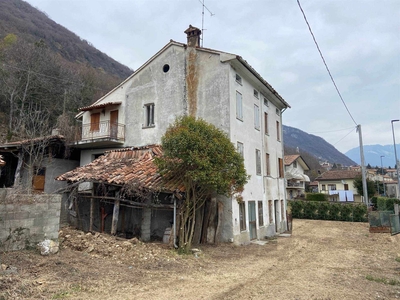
103,133
293,184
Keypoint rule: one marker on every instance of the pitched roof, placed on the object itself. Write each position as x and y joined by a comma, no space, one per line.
48,139
337,175
101,105
128,166
289,159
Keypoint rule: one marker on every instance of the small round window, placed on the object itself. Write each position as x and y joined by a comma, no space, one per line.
166,68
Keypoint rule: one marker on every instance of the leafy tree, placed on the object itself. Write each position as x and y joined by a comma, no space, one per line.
204,158
357,183
369,166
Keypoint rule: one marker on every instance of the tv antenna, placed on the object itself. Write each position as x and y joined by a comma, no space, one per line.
202,20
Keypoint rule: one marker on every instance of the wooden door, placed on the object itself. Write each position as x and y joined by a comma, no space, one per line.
114,124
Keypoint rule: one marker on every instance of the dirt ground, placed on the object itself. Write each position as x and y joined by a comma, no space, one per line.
321,260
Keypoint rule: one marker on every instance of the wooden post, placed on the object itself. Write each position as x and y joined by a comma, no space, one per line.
91,213
114,224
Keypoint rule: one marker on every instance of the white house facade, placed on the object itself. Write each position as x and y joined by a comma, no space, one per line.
219,87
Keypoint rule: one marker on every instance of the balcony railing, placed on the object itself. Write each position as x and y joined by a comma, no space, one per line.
295,184
100,131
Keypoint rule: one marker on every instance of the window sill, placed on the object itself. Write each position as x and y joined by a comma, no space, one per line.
145,127
239,119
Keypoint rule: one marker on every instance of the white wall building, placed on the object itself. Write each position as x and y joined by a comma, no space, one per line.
219,87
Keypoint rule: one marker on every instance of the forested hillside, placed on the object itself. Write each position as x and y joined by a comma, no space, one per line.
46,73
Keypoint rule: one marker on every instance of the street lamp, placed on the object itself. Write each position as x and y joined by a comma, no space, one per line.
397,164
383,179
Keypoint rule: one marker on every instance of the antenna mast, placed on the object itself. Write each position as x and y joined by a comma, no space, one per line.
202,20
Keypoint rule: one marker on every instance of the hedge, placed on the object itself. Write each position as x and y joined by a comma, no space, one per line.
385,204
316,197
328,211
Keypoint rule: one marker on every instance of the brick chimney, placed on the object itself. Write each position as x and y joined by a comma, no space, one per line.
193,36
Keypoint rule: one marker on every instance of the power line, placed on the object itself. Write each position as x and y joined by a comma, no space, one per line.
343,137
331,130
323,59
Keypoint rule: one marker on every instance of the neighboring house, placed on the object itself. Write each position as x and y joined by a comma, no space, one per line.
219,87
339,185
33,164
295,177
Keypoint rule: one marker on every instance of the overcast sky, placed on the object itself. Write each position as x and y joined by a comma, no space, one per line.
359,39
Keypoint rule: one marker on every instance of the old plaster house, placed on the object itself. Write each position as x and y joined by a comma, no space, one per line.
219,87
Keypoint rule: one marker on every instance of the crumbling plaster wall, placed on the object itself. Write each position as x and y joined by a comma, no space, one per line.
26,220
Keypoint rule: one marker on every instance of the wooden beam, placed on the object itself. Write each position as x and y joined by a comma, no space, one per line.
114,223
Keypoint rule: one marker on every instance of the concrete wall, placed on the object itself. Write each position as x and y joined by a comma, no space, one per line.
26,220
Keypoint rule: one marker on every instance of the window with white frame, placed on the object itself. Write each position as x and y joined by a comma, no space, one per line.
240,149
148,115
331,187
278,131
256,117
239,106
267,164
260,214
258,162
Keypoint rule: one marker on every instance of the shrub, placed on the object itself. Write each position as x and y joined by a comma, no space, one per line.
359,213
385,204
334,211
316,197
310,209
297,209
345,212
323,211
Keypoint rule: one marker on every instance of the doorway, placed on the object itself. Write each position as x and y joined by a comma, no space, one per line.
252,220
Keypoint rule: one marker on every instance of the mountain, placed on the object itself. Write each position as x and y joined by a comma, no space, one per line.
295,138
373,153
28,23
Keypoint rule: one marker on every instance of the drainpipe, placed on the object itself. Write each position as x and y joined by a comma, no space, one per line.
173,197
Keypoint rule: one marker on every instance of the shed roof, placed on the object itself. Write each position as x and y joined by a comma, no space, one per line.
124,167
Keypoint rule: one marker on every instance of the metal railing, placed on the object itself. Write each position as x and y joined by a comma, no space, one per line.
101,130
295,184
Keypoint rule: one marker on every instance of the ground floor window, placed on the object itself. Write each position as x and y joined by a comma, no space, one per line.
270,212
260,214
242,216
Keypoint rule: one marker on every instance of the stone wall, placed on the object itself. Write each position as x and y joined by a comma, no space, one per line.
26,220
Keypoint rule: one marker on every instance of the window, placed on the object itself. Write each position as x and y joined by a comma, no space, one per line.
95,122
278,136
239,106
255,92
238,79
242,216
280,162
149,115
282,210
295,164
260,214
332,187
346,187
256,117
270,212
258,162
267,165
266,123
266,102
278,112
323,187
240,149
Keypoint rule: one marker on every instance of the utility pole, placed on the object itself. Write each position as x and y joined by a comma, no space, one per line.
383,179
363,172
397,162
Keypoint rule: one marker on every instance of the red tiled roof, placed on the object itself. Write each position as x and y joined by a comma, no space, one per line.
337,175
101,105
289,159
124,167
